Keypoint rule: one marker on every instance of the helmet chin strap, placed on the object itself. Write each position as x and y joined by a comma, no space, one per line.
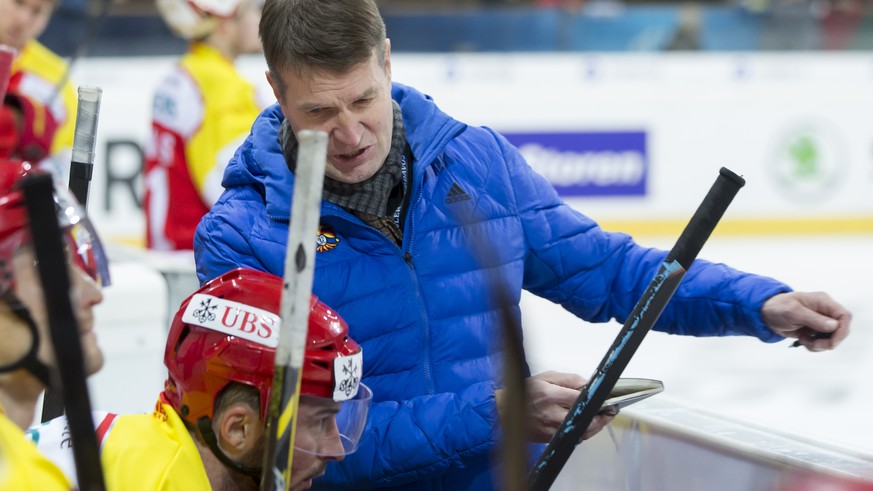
204,427
29,361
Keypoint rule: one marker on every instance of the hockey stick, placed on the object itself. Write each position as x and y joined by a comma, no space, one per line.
64,329
642,318
513,452
296,299
514,417
82,163
81,168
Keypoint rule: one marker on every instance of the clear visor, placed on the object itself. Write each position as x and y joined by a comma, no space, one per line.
331,429
86,250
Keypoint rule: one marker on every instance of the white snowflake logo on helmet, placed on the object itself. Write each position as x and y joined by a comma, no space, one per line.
347,373
206,312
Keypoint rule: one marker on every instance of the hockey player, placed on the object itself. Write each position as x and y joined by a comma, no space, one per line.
202,111
38,73
26,352
207,428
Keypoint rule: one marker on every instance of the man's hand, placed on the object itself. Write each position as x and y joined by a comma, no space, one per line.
550,395
815,319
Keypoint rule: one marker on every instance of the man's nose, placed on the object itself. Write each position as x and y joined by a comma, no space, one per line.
347,130
87,293
332,445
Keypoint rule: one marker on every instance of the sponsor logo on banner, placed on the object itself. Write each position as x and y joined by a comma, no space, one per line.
608,163
234,318
808,163
347,373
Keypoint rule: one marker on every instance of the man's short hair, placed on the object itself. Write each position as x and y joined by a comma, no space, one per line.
333,35
234,393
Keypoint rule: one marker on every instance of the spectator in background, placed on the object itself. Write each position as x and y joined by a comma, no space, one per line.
39,74
840,23
202,111
686,37
791,25
568,5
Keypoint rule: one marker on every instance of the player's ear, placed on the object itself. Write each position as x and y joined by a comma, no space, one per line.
239,428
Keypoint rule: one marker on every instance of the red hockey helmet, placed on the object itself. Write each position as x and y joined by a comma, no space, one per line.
82,240
227,331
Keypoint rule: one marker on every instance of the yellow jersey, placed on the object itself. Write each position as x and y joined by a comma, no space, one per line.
22,467
139,452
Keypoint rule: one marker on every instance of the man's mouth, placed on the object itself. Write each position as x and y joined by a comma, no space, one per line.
352,154
319,471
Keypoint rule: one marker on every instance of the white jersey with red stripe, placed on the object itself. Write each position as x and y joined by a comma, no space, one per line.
202,112
53,440
138,452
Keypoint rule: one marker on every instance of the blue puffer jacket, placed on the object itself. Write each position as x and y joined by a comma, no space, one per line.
423,313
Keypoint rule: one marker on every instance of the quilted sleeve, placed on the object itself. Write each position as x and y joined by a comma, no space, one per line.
600,275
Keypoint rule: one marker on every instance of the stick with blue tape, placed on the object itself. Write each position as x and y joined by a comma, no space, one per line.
642,318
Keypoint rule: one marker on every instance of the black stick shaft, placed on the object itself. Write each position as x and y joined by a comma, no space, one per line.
52,405
64,329
81,168
638,324
513,452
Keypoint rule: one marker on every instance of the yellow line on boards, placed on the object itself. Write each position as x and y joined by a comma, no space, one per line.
746,227
672,228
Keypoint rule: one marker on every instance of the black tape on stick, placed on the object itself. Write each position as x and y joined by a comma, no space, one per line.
638,324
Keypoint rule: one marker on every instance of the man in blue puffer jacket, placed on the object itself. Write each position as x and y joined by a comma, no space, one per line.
408,191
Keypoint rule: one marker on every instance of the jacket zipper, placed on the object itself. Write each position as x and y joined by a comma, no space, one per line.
407,256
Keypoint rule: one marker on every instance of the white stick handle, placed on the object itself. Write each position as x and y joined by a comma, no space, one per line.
300,254
86,124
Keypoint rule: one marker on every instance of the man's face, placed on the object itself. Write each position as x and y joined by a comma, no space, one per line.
316,442
23,20
354,109
84,295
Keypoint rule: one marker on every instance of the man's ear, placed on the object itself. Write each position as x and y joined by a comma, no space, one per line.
239,428
275,85
388,58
